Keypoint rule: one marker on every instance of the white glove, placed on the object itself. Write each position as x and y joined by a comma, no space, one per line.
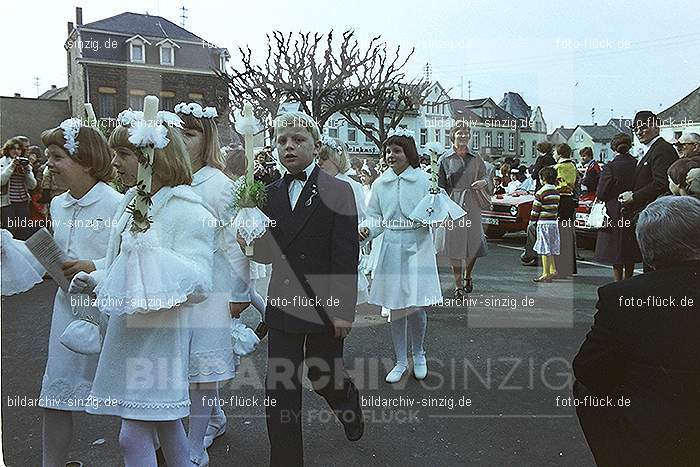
625,197
479,184
82,283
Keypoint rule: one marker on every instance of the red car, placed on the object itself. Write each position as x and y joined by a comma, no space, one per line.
508,213
511,213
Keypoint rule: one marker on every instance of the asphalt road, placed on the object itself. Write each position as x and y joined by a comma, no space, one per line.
496,368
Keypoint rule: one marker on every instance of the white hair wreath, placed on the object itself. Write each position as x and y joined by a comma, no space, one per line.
196,110
71,127
399,131
330,142
142,133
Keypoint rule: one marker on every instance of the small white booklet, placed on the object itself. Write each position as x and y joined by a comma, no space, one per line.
49,255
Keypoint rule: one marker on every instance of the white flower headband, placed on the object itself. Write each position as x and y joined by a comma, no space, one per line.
142,133
71,127
196,110
330,142
398,131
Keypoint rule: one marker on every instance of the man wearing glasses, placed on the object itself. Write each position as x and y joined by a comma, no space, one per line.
688,145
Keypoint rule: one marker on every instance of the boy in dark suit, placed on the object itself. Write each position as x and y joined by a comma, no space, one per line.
313,247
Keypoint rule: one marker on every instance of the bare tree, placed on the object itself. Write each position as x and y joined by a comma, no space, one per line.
307,68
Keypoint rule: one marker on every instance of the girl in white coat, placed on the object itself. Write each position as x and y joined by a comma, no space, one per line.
142,284
406,277
81,217
212,358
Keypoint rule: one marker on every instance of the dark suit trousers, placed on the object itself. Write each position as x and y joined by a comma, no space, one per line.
324,359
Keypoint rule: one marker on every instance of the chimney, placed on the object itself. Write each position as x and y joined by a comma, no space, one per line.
18,94
70,27
53,86
78,16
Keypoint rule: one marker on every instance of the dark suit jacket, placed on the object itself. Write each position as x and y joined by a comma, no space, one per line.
314,253
649,354
651,179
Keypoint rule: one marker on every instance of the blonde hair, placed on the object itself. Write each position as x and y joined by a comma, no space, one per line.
338,157
297,120
171,164
93,150
210,154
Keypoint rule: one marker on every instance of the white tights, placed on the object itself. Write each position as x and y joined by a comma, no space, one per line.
137,443
417,320
203,399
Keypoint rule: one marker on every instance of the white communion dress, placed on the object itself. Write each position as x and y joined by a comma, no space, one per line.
143,283
20,270
81,230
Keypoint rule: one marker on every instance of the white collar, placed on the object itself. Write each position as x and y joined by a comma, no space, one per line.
91,197
203,174
410,174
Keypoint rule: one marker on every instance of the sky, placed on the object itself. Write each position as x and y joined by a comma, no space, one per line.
568,57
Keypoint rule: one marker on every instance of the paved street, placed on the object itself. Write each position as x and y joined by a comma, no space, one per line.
497,366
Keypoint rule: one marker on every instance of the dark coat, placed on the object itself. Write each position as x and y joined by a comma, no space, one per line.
649,354
616,242
651,178
541,162
314,252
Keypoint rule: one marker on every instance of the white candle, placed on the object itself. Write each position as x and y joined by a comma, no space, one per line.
431,133
90,112
150,107
248,141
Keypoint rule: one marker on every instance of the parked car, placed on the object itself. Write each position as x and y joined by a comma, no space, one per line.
511,213
508,214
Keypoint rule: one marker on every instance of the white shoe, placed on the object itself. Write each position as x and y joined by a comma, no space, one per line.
420,367
201,461
215,428
396,373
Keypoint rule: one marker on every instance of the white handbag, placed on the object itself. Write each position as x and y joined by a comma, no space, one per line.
598,216
82,336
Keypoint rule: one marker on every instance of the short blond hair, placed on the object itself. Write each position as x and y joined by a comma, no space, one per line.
171,164
92,152
339,157
297,120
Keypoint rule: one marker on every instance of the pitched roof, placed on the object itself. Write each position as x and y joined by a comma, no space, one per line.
600,132
461,111
51,93
146,25
514,104
686,109
624,125
565,132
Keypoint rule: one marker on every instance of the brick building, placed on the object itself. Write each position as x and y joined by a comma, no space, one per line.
114,62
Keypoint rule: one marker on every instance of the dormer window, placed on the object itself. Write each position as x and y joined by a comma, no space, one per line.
137,49
167,52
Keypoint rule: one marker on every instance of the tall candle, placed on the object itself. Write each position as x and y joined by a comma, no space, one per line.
145,173
90,112
248,141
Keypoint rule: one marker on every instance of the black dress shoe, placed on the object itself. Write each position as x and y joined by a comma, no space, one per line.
261,330
353,421
354,428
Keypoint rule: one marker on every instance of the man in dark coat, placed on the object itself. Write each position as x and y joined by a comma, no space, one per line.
638,372
651,179
313,247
